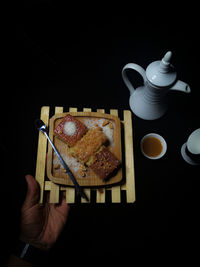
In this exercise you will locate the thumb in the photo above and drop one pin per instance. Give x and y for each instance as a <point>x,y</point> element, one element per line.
<point>33,193</point>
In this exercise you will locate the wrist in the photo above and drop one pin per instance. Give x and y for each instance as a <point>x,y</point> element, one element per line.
<point>29,253</point>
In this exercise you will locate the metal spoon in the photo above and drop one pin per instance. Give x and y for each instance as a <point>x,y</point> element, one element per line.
<point>41,126</point>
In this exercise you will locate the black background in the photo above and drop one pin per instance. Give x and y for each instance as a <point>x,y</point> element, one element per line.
<point>72,56</point>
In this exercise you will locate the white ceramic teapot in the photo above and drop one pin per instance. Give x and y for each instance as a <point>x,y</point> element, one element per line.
<point>148,101</point>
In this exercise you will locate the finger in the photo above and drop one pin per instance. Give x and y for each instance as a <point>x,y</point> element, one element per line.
<point>62,196</point>
<point>33,192</point>
<point>63,206</point>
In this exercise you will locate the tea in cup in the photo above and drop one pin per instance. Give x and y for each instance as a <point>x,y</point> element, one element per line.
<point>153,146</point>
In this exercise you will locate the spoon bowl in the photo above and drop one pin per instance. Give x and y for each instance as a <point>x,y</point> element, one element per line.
<point>40,125</point>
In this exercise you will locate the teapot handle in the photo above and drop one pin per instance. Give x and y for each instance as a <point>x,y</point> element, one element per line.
<point>135,67</point>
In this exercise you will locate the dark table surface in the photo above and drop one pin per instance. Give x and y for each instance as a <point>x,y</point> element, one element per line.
<point>77,63</point>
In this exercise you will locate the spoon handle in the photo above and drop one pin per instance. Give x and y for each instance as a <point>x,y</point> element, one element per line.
<point>62,162</point>
<point>40,125</point>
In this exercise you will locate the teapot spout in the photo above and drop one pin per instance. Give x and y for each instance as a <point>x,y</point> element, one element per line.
<point>181,86</point>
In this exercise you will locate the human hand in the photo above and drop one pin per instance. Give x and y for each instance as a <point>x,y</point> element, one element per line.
<point>41,224</point>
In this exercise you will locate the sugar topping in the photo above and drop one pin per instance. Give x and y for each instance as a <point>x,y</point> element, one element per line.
<point>72,163</point>
<point>106,125</point>
<point>70,128</point>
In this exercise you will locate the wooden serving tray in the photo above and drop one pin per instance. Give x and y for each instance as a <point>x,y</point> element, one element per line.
<point>107,194</point>
<point>57,174</point>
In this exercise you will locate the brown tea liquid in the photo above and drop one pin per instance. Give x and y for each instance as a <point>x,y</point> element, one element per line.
<point>152,146</point>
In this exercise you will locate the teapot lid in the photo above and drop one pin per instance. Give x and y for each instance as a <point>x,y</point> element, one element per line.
<point>161,73</point>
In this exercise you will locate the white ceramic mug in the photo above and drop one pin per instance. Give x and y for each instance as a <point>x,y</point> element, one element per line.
<point>191,149</point>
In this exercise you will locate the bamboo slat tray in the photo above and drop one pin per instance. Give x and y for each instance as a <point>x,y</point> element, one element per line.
<point>58,175</point>
<point>128,178</point>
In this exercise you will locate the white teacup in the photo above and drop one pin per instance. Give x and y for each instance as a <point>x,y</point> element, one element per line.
<point>191,149</point>
<point>152,137</point>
